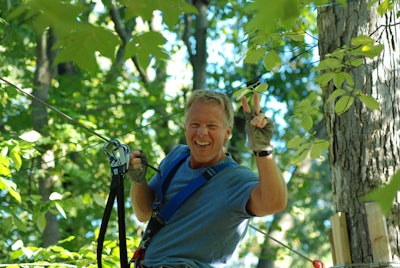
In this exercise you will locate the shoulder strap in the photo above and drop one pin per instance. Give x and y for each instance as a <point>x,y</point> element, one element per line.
<point>171,206</point>
<point>169,173</point>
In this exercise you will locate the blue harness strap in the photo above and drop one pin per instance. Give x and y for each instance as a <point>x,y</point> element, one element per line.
<point>169,173</point>
<point>172,205</point>
<point>162,213</point>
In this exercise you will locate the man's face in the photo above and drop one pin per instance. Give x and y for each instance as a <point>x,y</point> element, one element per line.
<point>206,133</point>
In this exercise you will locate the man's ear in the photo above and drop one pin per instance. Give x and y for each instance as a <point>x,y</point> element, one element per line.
<point>228,134</point>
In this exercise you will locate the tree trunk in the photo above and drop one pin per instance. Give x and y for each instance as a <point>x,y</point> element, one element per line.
<point>43,76</point>
<point>364,144</point>
<point>198,56</point>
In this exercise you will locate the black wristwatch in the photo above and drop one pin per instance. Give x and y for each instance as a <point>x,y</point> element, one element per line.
<point>262,153</point>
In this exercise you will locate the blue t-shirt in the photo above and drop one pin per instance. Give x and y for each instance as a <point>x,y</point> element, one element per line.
<point>206,229</point>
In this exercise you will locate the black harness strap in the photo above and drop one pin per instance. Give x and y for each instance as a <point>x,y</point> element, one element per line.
<point>119,158</point>
<point>116,190</point>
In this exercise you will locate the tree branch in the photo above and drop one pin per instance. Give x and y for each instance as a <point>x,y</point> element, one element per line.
<point>124,34</point>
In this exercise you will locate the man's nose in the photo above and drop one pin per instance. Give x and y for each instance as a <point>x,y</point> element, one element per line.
<point>202,130</point>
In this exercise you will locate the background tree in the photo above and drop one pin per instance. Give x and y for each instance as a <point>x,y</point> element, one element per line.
<point>363,156</point>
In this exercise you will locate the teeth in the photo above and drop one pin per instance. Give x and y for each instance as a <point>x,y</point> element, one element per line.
<point>202,143</point>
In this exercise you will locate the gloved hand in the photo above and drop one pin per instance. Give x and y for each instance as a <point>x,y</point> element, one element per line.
<point>259,131</point>
<point>137,167</point>
<point>258,127</point>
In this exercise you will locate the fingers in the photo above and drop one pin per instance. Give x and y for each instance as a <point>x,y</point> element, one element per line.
<point>256,104</point>
<point>135,161</point>
<point>259,121</point>
<point>246,107</point>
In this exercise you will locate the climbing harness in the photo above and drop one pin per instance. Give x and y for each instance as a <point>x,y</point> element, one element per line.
<point>119,163</point>
<point>162,211</point>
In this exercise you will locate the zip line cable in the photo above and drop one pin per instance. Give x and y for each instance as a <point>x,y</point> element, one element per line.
<point>69,118</point>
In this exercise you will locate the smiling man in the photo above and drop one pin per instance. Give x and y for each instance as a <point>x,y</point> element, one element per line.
<point>204,228</point>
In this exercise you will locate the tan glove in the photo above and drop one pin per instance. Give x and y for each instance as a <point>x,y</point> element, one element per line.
<point>137,167</point>
<point>259,139</point>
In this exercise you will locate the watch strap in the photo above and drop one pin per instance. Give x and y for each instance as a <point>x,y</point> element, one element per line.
<point>262,153</point>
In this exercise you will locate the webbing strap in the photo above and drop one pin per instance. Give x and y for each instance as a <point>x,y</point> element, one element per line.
<point>171,206</point>
<point>116,191</point>
<point>170,171</point>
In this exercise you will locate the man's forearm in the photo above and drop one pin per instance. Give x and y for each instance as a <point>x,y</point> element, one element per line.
<point>142,198</point>
<point>272,183</point>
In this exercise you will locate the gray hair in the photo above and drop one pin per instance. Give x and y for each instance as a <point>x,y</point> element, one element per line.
<point>214,97</point>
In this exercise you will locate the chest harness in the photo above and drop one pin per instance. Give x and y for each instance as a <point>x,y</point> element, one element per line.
<point>162,211</point>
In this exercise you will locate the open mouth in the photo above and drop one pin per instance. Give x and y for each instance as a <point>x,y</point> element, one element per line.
<point>202,144</point>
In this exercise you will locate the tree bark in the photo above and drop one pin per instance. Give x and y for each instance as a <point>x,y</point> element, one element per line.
<point>43,76</point>
<point>198,52</point>
<point>364,144</point>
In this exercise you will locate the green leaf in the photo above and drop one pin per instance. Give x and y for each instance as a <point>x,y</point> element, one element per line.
<point>295,142</point>
<point>355,62</point>
<point>336,93</point>
<point>140,8</point>
<point>99,200</point>
<point>16,254</point>
<point>11,187</point>
<point>41,221</point>
<point>307,122</point>
<point>15,155</point>
<point>172,9</point>
<point>372,51</point>
<point>261,88</point>
<point>370,102</point>
<point>146,45</point>
<point>385,195</point>
<point>325,78</point>
<point>265,16</point>
<point>272,61</point>
<point>87,40</point>
<point>318,147</point>
<point>343,104</point>
<point>298,37</point>
<point>362,40</point>
<point>254,56</point>
<point>342,77</point>
<point>240,93</point>
<point>301,155</point>
<point>60,209</point>
<point>329,64</point>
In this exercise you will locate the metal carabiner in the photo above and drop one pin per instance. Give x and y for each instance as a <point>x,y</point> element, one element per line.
<point>118,156</point>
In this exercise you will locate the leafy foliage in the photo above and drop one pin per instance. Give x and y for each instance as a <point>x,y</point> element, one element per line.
<point>271,57</point>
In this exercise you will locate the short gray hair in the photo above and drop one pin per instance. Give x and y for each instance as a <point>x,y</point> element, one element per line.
<point>214,97</point>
